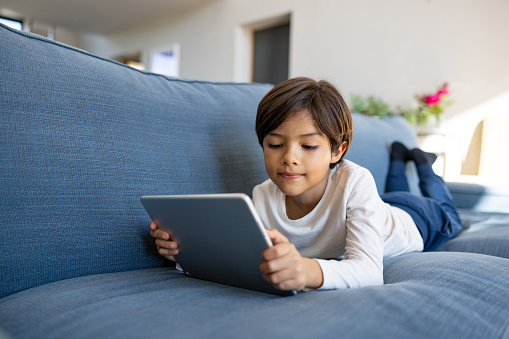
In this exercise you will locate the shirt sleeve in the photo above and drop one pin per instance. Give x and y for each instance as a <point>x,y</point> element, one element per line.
<point>363,260</point>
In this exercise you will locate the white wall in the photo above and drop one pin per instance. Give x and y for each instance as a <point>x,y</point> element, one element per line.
<point>392,49</point>
<point>61,34</point>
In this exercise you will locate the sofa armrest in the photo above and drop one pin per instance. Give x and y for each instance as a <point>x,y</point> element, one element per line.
<point>482,198</point>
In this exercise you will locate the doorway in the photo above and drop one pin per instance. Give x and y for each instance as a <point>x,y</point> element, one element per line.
<point>271,54</point>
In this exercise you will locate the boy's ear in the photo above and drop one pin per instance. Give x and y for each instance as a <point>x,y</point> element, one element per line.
<point>337,155</point>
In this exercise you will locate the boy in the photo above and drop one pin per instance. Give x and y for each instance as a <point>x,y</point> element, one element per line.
<point>329,227</point>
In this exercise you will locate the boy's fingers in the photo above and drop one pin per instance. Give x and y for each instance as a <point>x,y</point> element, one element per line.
<point>159,234</point>
<point>276,251</point>
<point>166,244</point>
<point>278,277</point>
<point>167,251</point>
<point>165,254</point>
<point>284,279</point>
<point>272,266</point>
<point>279,263</point>
<point>284,273</point>
<point>154,234</point>
<point>276,236</point>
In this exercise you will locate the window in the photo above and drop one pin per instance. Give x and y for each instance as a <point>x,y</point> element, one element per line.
<point>13,23</point>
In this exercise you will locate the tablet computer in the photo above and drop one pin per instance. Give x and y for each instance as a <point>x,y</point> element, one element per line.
<point>221,237</point>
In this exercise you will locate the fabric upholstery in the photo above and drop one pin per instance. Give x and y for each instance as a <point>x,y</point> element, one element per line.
<point>426,295</point>
<point>480,198</point>
<point>484,233</point>
<point>493,241</point>
<point>371,142</point>
<point>84,138</point>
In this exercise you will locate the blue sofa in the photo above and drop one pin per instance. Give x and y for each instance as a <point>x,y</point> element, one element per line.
<point>83,138</point>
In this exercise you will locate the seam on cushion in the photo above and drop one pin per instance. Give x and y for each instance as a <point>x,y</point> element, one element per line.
<point>72,48</point>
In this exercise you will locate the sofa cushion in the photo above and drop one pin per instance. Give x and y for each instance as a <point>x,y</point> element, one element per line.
<point>426,295</point>
<point>484,232</point>
<point>371,142</point>
<point>481,198</point>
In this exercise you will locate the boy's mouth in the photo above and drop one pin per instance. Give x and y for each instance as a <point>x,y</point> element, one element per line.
<point>290,176</point>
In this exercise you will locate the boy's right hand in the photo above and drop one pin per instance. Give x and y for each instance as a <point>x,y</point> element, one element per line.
<point>165,245</point>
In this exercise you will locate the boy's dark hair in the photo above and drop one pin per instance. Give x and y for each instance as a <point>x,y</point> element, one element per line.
<point>320,98</point>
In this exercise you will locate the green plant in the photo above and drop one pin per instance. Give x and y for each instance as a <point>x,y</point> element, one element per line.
<point>370,106</point>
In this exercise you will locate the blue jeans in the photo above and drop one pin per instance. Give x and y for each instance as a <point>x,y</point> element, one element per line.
<point>434,213</point>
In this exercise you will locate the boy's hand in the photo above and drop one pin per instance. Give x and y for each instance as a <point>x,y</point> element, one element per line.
<point>286,269</point>
<point>165,245</point>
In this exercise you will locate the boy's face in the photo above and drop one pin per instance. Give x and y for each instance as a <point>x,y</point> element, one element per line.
<point>297,158</point>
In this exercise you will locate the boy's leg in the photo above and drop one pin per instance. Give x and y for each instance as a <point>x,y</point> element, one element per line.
<point>396,177</point>
<point>431,185</point>
<point>434,214</point>
<point>434,187</point>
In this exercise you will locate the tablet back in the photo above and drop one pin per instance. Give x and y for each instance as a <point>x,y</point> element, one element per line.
<point>220,236</point>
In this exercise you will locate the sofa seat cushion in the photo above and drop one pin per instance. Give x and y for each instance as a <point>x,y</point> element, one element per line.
<point>426,295</point>
<point>484,233</point>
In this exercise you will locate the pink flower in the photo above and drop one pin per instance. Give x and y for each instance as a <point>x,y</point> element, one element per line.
<point>444,91</point>
<point>432,100</point>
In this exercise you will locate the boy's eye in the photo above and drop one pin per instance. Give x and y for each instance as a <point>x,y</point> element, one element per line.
<point>309,147</point>
<point>274,145</point>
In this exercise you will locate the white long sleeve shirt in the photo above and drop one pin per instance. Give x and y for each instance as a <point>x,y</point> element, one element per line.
<point>350,230</point>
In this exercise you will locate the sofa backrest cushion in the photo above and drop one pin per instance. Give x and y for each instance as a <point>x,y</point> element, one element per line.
<point>83,138</point>
<point>371,142</point>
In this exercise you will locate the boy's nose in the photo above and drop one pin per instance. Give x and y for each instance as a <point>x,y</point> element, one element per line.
<point>291,157</point>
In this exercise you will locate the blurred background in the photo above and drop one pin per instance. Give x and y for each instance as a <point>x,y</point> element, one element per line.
<point>398,52</point>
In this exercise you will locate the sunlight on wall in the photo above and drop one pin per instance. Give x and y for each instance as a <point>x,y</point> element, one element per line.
<point>494,162</point>
<point>493,155</point>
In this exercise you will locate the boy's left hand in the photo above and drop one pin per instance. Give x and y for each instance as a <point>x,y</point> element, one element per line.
<point>286,269</point>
